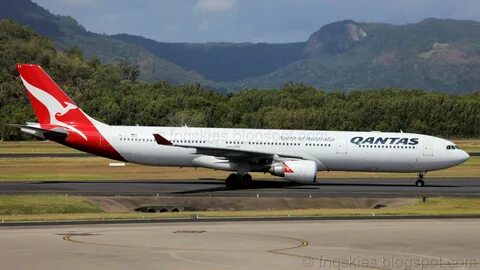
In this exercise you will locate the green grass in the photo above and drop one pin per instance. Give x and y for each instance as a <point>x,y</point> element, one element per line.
<point>438,206</point>
<point>34,147</point>
<point>45,204</point>
<point>433,206</point>
<point>54,177</point>
<point>35,208</point>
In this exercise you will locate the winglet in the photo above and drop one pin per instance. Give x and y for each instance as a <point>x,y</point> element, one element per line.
<point>161,140</point>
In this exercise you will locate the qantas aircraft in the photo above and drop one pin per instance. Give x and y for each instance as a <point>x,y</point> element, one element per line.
<point>295,155</point>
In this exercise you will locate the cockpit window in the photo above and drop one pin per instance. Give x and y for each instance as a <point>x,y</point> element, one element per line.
<point>452,147</point>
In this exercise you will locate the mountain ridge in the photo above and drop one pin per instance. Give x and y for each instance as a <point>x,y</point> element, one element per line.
<point>433,54</point>
<point>67,33</point>
<point>209,59</point>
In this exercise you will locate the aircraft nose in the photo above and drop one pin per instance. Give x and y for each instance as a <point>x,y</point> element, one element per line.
<point>463,156</point>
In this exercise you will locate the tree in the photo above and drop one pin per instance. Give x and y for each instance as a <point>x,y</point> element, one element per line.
<point>128,71</point>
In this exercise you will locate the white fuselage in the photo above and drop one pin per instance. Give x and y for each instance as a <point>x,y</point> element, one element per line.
<point>332,150</point>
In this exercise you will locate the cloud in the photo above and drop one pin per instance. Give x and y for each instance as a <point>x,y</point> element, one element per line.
<point>214,5</point>
<point>466,8</point>
<point>80,3</point>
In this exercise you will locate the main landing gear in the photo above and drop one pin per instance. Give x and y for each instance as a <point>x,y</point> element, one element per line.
<point>236,180</point>
<point>420,182</point>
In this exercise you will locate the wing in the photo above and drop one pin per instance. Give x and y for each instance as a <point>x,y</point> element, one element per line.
<point>229,153</point>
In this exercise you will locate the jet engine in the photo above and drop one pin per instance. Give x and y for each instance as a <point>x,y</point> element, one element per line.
<point>296,170</point>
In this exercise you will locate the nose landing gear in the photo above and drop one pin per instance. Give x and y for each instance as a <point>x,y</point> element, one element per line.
<point>420,182</point>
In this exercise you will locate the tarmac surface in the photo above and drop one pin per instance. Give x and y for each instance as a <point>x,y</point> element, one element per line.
<point>384,188</point>
<point>321,244</point>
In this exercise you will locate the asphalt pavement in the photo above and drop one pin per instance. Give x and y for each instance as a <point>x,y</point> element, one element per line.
<point>362,187</point>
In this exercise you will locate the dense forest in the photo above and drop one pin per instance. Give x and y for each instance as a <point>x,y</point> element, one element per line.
<point>112,93</point>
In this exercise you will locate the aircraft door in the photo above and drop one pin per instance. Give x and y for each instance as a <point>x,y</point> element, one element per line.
<point>341,147</point>
<point>427,148</point>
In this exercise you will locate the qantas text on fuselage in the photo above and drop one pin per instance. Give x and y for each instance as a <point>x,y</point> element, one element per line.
<point>384,140</point>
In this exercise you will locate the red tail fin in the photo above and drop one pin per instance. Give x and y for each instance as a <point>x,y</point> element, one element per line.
<point>54,109</point>
<point>44,94</point>
<point>51,105</point>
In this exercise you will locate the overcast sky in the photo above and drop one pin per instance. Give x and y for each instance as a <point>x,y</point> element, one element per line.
<point>247,20</point>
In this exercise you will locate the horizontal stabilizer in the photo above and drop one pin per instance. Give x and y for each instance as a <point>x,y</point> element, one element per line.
<point>35,130</point>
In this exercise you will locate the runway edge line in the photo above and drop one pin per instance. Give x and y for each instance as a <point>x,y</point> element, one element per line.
<point>227,219</point>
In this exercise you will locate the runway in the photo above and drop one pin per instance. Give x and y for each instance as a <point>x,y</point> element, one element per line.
<point>368,244</point>
<point>384,188</point>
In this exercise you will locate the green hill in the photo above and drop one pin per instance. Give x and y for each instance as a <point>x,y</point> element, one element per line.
<point>441,55</point>
<point>67,33</point>
<point>223,61</point>
<point>434,54</point>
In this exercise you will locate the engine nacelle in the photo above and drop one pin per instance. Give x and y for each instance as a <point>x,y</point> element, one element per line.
<point>215,163</point>
<point>296,170</point>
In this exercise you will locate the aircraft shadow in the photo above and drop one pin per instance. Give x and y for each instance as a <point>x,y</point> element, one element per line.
<point>167,182</point>
<point>381,185</point>
<point>257,184</point>
<point>183,187</point>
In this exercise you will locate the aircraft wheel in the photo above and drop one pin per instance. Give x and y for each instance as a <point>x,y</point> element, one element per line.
<point>246,180</point>
<point>232,181</point>
<point>419,183</point>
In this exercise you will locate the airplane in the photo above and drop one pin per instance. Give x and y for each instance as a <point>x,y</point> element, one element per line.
<point>295,155</point>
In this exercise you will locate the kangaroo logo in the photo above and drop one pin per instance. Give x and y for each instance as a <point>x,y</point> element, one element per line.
<point>54,107</point>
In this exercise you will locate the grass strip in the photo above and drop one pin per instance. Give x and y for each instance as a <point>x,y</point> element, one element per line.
<point>58,208</point>
<point>11,205</point>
